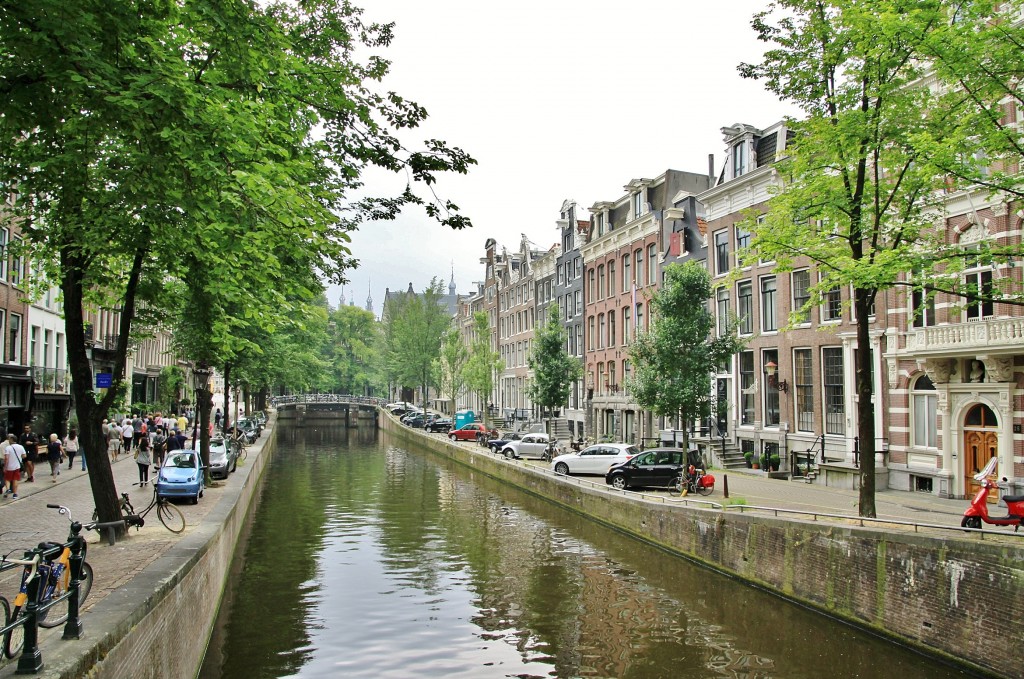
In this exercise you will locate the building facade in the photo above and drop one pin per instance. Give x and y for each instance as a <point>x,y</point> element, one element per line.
<point>568,292</point>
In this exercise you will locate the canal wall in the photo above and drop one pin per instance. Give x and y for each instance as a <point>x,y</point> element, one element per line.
<point>157,625</point>
<point>951,596</point>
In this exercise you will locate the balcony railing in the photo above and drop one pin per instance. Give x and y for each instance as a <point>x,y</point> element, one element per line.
<point>51,380</point>
<point>988,333</point>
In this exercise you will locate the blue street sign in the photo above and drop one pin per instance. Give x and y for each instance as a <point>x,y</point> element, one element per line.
<point>104,380</point>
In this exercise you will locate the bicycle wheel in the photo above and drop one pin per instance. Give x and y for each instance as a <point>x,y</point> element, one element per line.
<point>14,640</point>
<point>170,516</point>
<point>84,587</point>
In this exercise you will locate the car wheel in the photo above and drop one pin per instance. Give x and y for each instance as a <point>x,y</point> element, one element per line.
<point>562,468</point>
<point>509,454</point>
<point>195,500</point>
<point>453,437</point>
<point>619,482</point>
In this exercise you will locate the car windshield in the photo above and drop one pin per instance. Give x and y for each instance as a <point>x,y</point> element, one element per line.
<point>180,460</point>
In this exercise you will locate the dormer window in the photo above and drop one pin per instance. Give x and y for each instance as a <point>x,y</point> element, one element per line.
<point>739,159</point>
<point>637,204</point>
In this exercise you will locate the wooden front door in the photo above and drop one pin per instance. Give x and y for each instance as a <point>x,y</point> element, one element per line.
<point>981,444</point>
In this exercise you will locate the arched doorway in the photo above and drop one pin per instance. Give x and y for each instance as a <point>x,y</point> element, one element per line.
<point>981,444</point>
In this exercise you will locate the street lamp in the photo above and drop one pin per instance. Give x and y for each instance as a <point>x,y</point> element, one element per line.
<point>770,369</point>
<point>201,373</point>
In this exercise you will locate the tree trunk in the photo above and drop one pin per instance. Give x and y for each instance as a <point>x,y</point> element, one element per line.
<point>227,396</point>
<point>865,409</point>
<point>203,411</point>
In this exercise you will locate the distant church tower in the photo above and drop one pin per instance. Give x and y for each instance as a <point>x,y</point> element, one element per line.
<point>451,285</point>
<point>369,298</point>
<point>341,300</point>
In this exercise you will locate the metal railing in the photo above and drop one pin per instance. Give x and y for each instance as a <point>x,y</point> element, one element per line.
<point>327,398</point>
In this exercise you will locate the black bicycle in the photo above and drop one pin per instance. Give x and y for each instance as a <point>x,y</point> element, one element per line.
<point>169,515</point>
<point>53,565</point>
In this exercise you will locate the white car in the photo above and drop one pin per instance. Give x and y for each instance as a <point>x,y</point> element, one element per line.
<point>596,459</point>
<point>530,445</point>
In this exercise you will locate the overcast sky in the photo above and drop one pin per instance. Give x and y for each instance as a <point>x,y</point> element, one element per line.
<point>555,99</point>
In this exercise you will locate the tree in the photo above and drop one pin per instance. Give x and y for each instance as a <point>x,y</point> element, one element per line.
<point>415,325</point>
<point>554,370</point>
<point>859,192</point>
<point>673,362</point>
<point>353,351</point>
<point>484,364</point>
<point>450,366</point>
<point>215,145</point>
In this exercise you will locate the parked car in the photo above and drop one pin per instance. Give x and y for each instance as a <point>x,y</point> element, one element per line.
<point>504,438</point>
<point>529,446</point>
<point>414,420</point>
<point>440,424</point>
<point>181,476</point>
<point>594,459</point>
<point>400,407</point>
<point>468,432</point>
<point>223,459</point>
<point>652,468</point>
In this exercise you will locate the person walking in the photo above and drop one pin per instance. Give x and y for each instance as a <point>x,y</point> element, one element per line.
<point>71,447</point>
<point>216,418</point>
<point>14,456</point>
<point>159,446</point>
<point>143,459</point>
<point>54,455</point>
<point>30,442</point>
<point>127,433</point>
<point>113,441</point>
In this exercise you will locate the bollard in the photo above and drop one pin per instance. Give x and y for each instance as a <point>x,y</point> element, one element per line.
<point>73,627</point>
<point>725,485</point>
<point>31,660</point>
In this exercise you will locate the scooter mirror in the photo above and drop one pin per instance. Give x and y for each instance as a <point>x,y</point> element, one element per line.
<point>987,471</point>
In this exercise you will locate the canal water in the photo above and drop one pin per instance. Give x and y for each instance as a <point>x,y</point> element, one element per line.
<point>367,559</point>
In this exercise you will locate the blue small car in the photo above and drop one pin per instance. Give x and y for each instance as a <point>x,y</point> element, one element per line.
<point>182,475</point>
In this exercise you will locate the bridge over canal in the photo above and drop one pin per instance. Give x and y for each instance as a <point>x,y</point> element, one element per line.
<point>336,409</point>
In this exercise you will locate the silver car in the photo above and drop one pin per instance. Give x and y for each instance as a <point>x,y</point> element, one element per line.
<point>595,459</point>
<point>530,446</point>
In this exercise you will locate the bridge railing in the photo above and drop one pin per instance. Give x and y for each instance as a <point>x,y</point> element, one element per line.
<point>327,398</point>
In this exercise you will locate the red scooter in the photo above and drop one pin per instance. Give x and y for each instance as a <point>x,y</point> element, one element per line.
<point>978,511</point>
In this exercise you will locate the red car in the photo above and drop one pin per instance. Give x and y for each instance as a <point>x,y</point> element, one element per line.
<point>467,432</point>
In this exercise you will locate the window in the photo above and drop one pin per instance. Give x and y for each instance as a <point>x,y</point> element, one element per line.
<point>834,403</point>
<point>744,304</point>
<point>590,333</point>
<point>611,277</point>
<point>739,159</point>
<point>600,378</point>
<point>599,218</point>
<point>652,270</point>
<point>722,252</point>
<point>639,267</point>
<point>801,284</point>
<point>600,282</point>
<point>747,387</point>
<point>771,393</point>
<point>832,305</point>
<point>611,376</point>
<point>722,301</point>
<point>924,409</point>
<point>14,345</point>
<point>923,308</point>
<point>768,322</point>
<point>978,289</point>
<point>611,328</point>
<point>626,280</point>
<point>5,238</point>
<point>602,330</point>
<point>803,390</point>
<point>640,317</point>
<point>625,325</point>
<point>17,262</point>
<point>590,290</point>
<point>577,302</point>
<point>561,274</point>
<point>742,238</point>
<point>638,204</point>
<point>579,339</point>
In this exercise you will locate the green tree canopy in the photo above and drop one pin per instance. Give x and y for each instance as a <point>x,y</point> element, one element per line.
<point>554,370</point>
<point>673,362</point>
<point>484,363</point>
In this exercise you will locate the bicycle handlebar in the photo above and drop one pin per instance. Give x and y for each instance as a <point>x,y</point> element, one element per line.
<point>33,562</point>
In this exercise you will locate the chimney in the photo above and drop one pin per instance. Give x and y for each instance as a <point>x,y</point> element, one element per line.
<point>711,169</point>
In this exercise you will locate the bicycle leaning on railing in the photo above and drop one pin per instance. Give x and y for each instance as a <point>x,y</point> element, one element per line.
<point>238,445</point>
<point>45,582</point>
<point>169,515</point>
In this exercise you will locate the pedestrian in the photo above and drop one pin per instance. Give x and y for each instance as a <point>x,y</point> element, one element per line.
<point>30,442</point>
<point>143,459</point>
<point>113,441</point>
<point>54,455</point>
<point>159,446</point>
<point>127,433</point>
<point>71,447</point>
<point>14,457</point>
<point>173,442</point>
<point>216,418</point>
<point>182,423</point>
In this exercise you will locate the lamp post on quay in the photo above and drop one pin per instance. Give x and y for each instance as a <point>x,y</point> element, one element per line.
<point>201,373</point>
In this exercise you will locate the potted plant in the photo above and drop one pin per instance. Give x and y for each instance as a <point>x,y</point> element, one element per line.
<point>755,461</point>
<point>775,461</point>
<point>749,457</point>
<point>764,461</point>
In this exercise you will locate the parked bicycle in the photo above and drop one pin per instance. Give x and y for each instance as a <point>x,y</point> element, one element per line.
<point>169,515</point>
<point>239,445</point>
<point>51,563</point>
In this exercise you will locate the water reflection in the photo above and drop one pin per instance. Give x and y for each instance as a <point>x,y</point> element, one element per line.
<point>370,560</point>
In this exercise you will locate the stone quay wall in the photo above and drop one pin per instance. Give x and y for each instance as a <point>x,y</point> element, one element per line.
<point>946,595</point>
